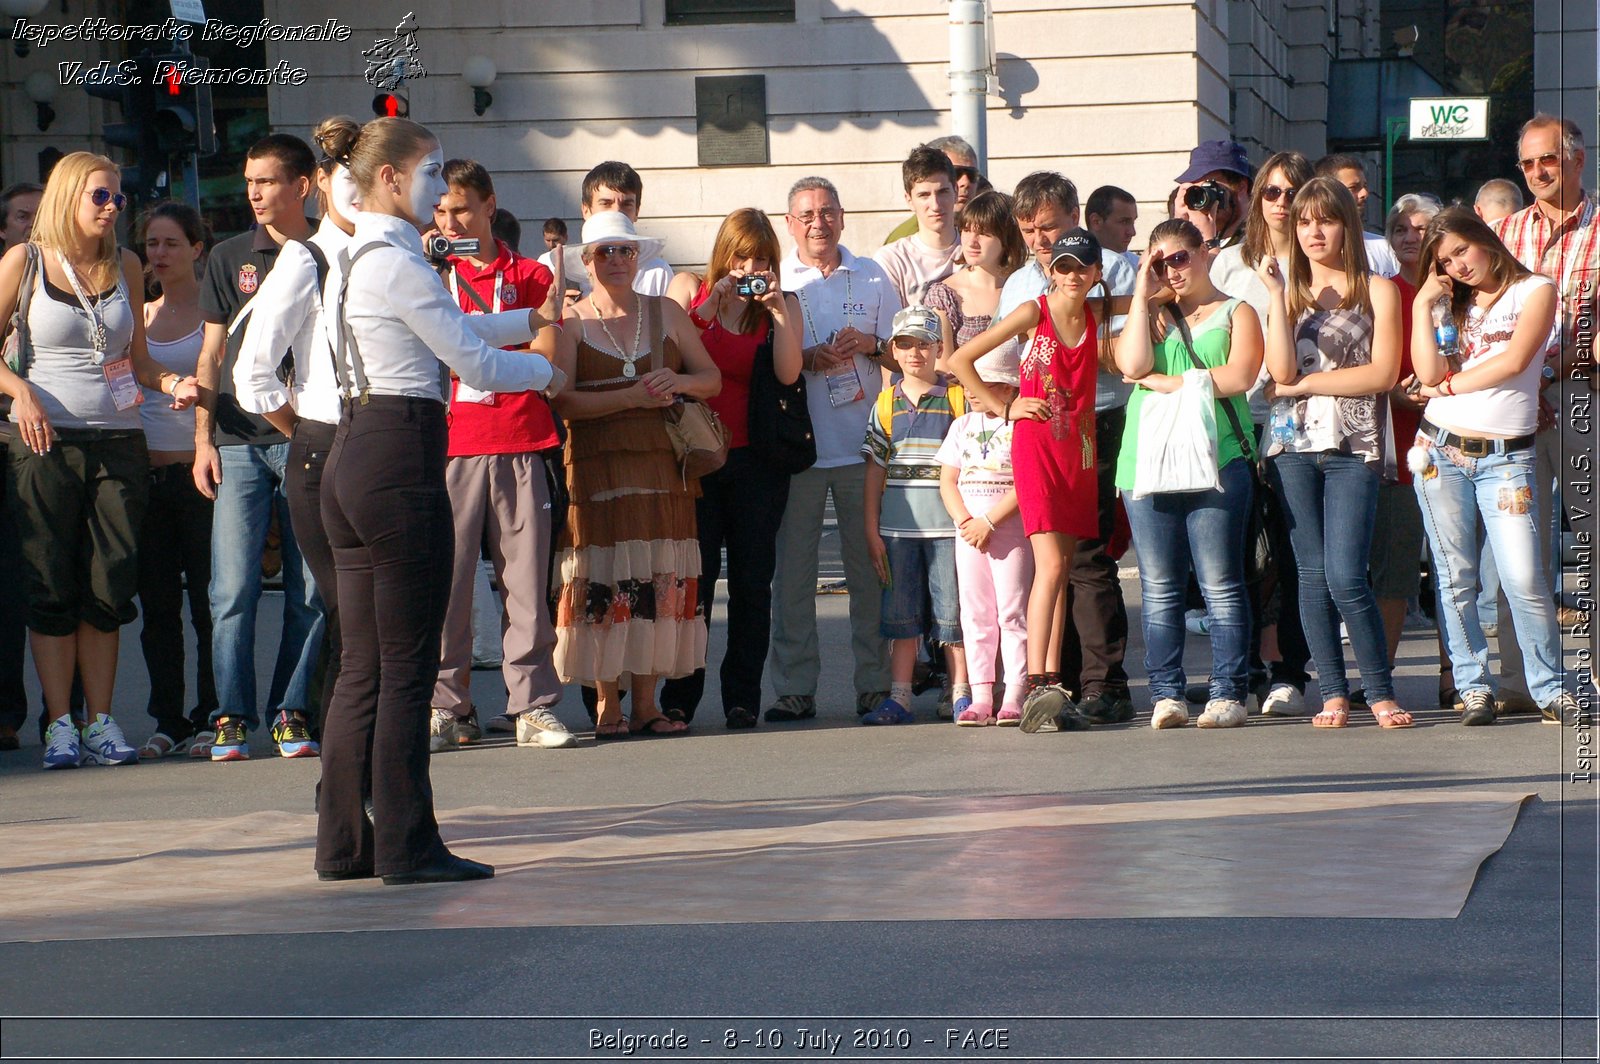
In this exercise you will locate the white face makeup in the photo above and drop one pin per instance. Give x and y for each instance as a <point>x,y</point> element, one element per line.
<point>346,196</point>
<point>427,185</point>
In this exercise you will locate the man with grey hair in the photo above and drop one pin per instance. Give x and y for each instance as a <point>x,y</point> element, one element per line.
<point>1497,198</point>
<point>847,305</point>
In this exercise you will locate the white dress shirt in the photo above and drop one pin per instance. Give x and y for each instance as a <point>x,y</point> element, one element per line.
<point>405,323</point>
<point>286,314</point>
<point>1030,282</point>
<point>857,293</point>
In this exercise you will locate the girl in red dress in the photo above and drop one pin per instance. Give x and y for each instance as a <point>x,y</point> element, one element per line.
<point>1053,453</point>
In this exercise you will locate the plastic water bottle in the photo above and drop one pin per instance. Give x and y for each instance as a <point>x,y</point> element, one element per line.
<point>1444,330</point>
<point>1283,427</point>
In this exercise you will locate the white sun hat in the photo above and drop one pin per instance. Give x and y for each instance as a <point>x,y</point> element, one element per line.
<point>609,227</point>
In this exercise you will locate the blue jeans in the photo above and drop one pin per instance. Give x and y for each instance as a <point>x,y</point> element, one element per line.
<point>1329,501</point>
<point>1500,489</point>
<point>922,573</point>
<point>251,490</point>
<point>1204,529</point>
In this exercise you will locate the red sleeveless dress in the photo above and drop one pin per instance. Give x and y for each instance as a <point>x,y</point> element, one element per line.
<point>1053,461</point>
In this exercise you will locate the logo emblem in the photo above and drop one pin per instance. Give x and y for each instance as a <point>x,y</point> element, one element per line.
<point>508,294</point>
<point>248,280</point>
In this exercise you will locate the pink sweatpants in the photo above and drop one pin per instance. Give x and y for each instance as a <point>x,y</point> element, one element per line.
<point>994,586</point>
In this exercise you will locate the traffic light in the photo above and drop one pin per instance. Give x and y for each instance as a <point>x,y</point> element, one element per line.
<point>130,84</point>
<point>183,115</point>
<point>391,104</point>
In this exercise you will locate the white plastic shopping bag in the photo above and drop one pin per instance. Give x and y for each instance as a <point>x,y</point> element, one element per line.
<point>1177,446</point>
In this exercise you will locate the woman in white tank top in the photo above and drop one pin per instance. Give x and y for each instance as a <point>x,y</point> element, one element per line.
<point>175,537</point>
<point>1474,455</point>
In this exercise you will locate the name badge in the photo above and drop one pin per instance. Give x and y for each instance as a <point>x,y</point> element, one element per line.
<point>125,391</point>
<point>464,394</point>
<point>844,385</point>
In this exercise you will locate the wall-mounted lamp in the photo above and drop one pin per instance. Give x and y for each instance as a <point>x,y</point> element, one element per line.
<point>479,72</point>
<point>41,89</point>
<point>15,9</point>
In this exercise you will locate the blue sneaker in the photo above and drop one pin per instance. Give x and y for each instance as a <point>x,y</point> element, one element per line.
<point>61,746</point>
<point>104,743</point>
<point>958,707</point>
<point>294,739</point>
<point>889,712</point>
<point>231,744</point>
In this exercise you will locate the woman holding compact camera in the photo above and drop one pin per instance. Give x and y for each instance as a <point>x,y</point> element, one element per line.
<point>743,316</point>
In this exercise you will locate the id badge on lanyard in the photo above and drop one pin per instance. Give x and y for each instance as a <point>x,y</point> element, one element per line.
<point>465,393</point>
<point>125,391</point>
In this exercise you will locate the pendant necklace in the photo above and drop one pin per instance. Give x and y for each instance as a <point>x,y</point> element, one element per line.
<point>632,355</point>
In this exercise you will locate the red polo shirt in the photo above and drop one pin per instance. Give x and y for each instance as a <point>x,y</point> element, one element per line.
<point>513,422</point>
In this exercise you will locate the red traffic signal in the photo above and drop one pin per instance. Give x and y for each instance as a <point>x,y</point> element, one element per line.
<point>391,105</point>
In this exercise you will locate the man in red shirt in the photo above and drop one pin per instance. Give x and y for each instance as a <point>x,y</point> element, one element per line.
<point>496,480</point>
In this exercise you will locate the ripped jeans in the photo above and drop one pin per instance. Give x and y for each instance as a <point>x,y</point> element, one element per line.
<point>1453,491</point>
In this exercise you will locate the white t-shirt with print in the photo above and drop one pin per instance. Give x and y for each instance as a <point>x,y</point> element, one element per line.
<point>1510,408</point>
<point>979,445</point>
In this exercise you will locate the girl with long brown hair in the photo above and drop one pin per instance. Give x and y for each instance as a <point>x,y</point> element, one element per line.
<point>1475,457</point>
<point>1333,349</point>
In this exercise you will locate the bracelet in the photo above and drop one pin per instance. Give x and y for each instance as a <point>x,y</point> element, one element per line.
<point>965,523</point>
<point>1447,386</point>
<point>987,521</point>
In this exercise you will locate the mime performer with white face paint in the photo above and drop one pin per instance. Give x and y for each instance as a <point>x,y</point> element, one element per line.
<point>287,331</point>
<point>387,511</point>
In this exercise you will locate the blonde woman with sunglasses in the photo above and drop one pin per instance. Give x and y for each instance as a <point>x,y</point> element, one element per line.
<point>79,465</point>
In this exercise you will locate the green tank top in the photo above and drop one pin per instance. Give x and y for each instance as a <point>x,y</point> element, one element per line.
<point>1212,343</point>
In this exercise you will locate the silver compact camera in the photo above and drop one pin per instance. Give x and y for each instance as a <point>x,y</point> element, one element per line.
<point>752,286</point>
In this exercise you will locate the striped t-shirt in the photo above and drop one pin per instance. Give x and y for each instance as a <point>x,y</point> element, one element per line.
<point>908,449</point>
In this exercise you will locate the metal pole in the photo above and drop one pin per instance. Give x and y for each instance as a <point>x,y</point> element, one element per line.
<point>969,74</point>
<point>1392,127</point>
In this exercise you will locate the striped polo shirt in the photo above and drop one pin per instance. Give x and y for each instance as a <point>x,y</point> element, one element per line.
<point>908,449</point>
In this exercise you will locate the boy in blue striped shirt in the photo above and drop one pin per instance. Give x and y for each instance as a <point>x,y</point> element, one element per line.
<point>909,534</point>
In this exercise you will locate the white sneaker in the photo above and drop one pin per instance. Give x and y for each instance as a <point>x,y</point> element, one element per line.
<point>104,743</point>
<point>1284,701</point>
<point>61,746</point>
<point>1223,713</point>
<point>1169,713</point>
<point>1197,622</point>
<point>540,727</point>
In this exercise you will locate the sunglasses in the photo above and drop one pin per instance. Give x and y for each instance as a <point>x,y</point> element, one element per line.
<point>102,196</point>
<point>1177,260</point>
<point>1548,161</point>
<point>627,251</point>
<point>1272,193</point>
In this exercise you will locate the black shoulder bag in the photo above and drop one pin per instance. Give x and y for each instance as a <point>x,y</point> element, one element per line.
<point>1257,543</point>
<point>780,418</point>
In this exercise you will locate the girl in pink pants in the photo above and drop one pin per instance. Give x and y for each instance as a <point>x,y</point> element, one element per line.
<point>994,564</point>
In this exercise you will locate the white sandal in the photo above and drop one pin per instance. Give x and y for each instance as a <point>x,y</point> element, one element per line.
<point>162,745</point>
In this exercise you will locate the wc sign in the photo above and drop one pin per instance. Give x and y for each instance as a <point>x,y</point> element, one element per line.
<point>1449,118</point>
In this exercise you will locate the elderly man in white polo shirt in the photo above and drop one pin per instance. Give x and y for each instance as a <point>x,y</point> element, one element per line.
<point>847,306</point>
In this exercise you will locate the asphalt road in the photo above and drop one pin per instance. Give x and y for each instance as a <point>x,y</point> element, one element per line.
<point>1492,985</point>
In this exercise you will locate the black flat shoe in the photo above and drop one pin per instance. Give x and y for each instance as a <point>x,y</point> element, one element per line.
<point>447,869</point>
<point>352,873</point>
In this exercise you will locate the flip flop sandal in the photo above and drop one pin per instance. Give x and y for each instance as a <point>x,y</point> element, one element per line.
<point>1386,717</point>
<point>617,729</point>
<point>1331,718</point>
<point>658,726</point>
